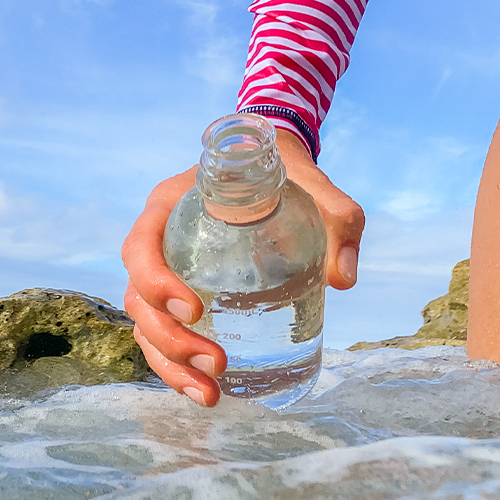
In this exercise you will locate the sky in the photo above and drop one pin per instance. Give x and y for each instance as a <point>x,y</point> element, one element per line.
<point>100,100</point>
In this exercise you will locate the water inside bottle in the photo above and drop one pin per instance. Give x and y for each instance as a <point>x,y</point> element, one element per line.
<point>272,338</point>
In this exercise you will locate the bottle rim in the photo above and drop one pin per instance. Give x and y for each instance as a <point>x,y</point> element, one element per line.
<point>241,173</point>
<point>222,137</point>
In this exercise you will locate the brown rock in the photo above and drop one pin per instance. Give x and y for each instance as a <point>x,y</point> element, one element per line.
<point>445,318</point>
<point>56,337</point>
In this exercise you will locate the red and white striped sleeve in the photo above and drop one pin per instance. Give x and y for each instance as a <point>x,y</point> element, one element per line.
<point>298,50</point>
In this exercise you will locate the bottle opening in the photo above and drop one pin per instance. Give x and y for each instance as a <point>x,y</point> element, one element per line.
<point>235,134</point>
<point>241,173</point>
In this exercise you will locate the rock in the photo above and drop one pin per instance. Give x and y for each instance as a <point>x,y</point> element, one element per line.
<point>445,318</point>
<point>51,337</point>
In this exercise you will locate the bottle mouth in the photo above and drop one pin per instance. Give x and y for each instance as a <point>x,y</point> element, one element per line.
<point>240,167</point>
<point>238,138</point>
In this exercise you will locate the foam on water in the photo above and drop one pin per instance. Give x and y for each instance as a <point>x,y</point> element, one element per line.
<point>388,424</point>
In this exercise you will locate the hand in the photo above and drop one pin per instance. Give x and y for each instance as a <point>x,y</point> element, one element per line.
<point>343,217</point>
<point>161,304</point>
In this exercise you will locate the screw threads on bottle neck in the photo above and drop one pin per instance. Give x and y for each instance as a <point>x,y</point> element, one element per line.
<point>241,172</point>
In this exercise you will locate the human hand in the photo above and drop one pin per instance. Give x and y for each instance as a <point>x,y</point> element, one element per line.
<point>161,304</point>
<point>344,219</point>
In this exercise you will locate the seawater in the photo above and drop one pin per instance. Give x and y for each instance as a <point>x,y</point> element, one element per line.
<point>386,424</point>
<point>273,339</point>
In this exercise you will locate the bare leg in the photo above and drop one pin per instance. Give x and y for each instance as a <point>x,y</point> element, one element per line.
<point>483,333</point>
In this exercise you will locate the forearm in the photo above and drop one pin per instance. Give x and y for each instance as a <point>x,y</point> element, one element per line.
<point>483,334</point>
<point>297,52</point>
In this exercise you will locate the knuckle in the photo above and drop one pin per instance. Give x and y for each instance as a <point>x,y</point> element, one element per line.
<point>130,301</point>
<point>350,213</point>
<point>128,304</point>
<point>158,194</point>
<point>135,246</point>
<point>167,344</point>
<point>358,215</point>
<point>346,221</point>
<point>152,197</point>
<point>157,281</point>
<point>137,335</point>
<point>129,246</point>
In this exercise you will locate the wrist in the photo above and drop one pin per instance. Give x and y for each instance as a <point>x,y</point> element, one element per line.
<point>292,150</point>
<point>288,119</point>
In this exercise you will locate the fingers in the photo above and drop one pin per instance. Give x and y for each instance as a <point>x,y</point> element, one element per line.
<point>158,302</point>
<point>199,387</point>
<point>142,254</point>
<point>344,218</point>
<point>344,221</point>
<point>185,361</point>
<point>173,340</point>
<point>344,231</point>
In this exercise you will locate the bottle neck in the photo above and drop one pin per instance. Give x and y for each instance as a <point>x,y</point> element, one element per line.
<point>241,173</point>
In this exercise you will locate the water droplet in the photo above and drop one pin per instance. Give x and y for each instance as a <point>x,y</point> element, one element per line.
<point>238,271</point>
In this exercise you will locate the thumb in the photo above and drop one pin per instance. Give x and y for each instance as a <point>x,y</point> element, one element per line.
<point>344,218</point>
<point>344,222</point>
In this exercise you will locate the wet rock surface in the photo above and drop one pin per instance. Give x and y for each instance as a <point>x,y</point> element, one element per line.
<point>50,338</point>
<point>445,318</point>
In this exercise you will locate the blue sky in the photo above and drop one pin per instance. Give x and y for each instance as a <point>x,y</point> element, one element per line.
<point>102,99</point>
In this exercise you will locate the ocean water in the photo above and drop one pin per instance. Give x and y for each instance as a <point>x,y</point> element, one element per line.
<point>384,424</point>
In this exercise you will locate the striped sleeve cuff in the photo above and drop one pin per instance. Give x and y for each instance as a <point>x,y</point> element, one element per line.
<point>298,50</point>
<point>288,119</point>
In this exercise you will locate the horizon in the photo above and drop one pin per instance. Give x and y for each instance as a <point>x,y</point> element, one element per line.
<point>102,100</point>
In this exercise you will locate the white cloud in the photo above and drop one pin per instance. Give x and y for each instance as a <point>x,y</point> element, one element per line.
<point>201,13</point>
<point>429,246</point>
<point>481,63</point>
<point>3,201</point>
<point>69,3</point>
<point>408,268</point>
<point>86,149</point>
<point>403,265</point>
<point>445,76</point>
<point>55,148</point>
<point>37,20</point>
<point>3,113</point>
<point>448,148</point>
<point>217,62</point>
<point>410,205</point>
<point>219,54</point>
<point>397,169</point>
<point>34,228</point>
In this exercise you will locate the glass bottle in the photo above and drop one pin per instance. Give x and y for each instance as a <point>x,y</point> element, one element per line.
<point>252,244</point>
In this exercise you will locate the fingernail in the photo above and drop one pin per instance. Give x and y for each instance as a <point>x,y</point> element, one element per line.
<point>180,309</point>
<point>348,264</point>
<point>205,363</point>
<point>196,395</point>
